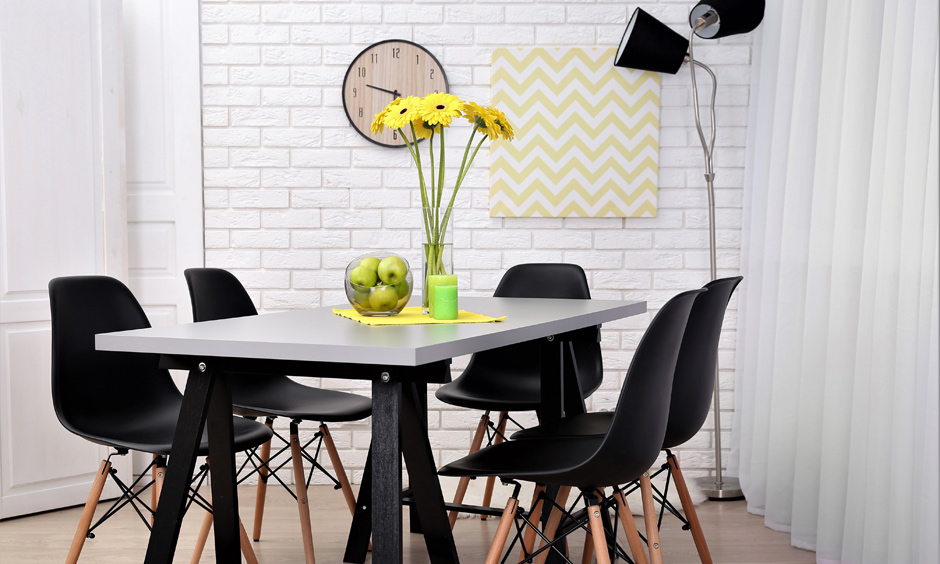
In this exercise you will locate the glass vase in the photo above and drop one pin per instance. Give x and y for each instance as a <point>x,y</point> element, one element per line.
<point>438,259</point>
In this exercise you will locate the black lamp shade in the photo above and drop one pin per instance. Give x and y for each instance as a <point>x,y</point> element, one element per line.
<point>648,44</point>
<point>734,17</point>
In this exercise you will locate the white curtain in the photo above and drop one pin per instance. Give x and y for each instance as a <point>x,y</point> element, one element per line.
<point>835,437</point>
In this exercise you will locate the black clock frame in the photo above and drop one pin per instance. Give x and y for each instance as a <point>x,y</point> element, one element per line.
<point>353,63</point>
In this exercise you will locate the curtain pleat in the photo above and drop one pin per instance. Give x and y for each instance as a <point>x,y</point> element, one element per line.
<point>835,436</point>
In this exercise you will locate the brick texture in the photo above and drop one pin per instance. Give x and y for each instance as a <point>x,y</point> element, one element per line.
<point>293,192</point>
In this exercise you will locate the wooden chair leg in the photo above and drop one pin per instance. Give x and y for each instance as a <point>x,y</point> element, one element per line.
<point>502,532</point>
<point>689,509</point>
<point>247,551</point>
<point>201,538</point>
<point>300,483</point>
<point>528,541</point>
<point>84,523</point>
<point>598,536</point>
<point>465,481</point>
<point>629,529</point>
<point>159,473</point>
<point>587,556</point>
<point>244,542</point>
<point>649,515</point>
<point>554,519</point>
<point>338,468</point>
<point>491,481</point>
<point>262,489</point>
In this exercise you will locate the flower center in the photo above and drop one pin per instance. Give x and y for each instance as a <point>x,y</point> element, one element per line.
<point>403,111</point>
<point>440,106</point>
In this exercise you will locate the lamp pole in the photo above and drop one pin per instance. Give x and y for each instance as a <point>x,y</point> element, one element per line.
<point>720,488</point>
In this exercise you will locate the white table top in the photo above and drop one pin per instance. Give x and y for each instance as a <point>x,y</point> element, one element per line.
<point>319,335</point>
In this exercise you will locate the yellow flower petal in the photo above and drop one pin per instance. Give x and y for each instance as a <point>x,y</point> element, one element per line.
<point>422,129</point>
<point>440,108</point>
<point>402,113</point>
<point>378,123</point>
<point>505,127</point>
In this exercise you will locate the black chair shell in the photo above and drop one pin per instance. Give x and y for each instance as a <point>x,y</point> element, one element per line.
<point>507,378</point>
<point>217,294</point>
<point>694,381</point>
<point>122,400</point>
<point>632,442</point>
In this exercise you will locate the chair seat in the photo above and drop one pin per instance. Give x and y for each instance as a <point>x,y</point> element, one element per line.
<point>538,460</point>
<point>546,461</point>
<point>585,425</point>
<point>514,394</point>
<point>279,396</point>
<point>581,425</point>
<point>155,433</point>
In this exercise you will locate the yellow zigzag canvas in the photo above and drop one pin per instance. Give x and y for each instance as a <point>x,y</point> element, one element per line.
<point>587,135</point>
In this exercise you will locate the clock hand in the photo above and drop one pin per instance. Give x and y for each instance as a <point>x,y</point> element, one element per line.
<point>394,93</point>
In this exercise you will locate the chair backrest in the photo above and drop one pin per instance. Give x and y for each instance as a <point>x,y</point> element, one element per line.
<point>217,294</point>
<point>694,382</point>
<point>636,432</point>
<point>541,280</point>
<point>89,386</point>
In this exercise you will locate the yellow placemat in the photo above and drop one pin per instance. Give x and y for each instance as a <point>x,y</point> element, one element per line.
<point>413,316</point>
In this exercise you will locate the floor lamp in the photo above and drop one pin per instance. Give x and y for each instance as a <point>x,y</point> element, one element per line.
<point>651,45</point>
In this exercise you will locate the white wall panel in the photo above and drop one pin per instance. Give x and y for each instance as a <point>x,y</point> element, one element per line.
<point>61,213</point>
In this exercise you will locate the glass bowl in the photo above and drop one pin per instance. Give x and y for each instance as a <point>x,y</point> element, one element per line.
<point>369,294</point>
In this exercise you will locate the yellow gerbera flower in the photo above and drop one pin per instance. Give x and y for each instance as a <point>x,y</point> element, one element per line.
<point>422,129</point>
<point>440,108</point>
<point>378,123</point>
<point>481,119</point>
<point>505,128</point>
<point>402,113</point>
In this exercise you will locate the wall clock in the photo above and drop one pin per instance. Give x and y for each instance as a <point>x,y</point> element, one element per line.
<point>385,71</point>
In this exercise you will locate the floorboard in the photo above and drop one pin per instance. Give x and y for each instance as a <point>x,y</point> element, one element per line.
<point>734,536</point>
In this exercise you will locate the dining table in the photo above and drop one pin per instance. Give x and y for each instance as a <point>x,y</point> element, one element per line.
<point>399,361</point>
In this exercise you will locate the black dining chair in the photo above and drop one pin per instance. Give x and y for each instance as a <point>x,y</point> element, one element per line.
<point>507,379</point>
<point>218,294</point>
<point>622,454</point>
<point>120,400</point>
<point>692,390</point>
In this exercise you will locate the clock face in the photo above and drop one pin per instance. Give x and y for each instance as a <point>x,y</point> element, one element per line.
<point>385,71</point>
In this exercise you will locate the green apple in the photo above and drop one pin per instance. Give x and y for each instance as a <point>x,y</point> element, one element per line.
<point>372,263</point>
<point>383,298</point>
<point>402,289</point>
<point>392,269</point>
<point>362,296</point>
<point>363,276</point>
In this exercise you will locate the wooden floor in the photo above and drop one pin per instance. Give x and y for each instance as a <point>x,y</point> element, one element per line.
<point>733,535</point>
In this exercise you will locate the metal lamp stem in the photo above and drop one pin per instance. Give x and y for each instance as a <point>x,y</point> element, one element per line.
<point>720,488</point>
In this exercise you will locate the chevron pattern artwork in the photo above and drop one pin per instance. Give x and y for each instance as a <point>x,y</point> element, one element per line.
<point>587,135</point>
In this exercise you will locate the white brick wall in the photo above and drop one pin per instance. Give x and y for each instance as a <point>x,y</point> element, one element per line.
<point>293,192</point>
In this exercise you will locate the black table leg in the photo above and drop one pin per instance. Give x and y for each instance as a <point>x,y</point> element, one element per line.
<point>357,545</point>
<point>386,471</point>
<point>425,484</point>
<point>422,389</point>
<point>222,469</point>
<point>552,404</point>
<point>182,461</point>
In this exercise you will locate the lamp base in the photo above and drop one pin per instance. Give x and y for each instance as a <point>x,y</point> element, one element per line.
<point>728,490</point>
